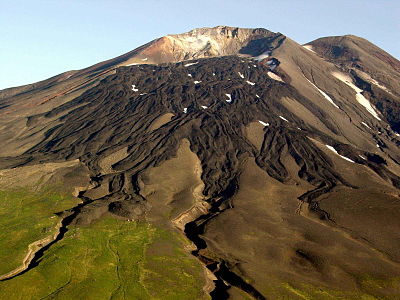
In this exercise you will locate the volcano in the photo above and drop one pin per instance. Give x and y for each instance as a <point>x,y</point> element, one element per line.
<point>222,163</point>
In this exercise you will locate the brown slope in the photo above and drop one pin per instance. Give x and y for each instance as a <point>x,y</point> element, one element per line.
<point>350,122</point>
<point>372,69</point>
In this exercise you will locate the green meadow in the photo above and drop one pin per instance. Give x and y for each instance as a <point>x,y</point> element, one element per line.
<point>112,259</point>
<point>25,217</point>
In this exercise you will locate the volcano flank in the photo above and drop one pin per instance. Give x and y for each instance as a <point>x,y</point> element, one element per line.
<point>222,163</point>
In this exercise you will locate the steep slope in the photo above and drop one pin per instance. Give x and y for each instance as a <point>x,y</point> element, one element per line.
<point>372,70</point>
<point>281,177</point>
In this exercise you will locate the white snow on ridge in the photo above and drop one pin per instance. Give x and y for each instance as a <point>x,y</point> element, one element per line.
<point>283,119</point>
<point>230,98</point>
<point>323,94</point>
<point>134,88</point>
<point>241,75</point>
<point>249,82</point>
<point>257,96</point>
<point>263,123</point>
<point>204,107</point>
<point>274,76</point>
<point>359,97</point>
<point>191,64</point>
<point>133,64</point>
<point>196,82</point>
<point>334,150</point>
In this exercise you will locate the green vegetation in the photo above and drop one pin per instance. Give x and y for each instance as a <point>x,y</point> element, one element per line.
<point>112,259</point>
<point>25,217</point>
<point>371,289</point>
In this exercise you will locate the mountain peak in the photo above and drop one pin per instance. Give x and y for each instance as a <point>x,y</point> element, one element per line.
<point>224,31</point>
<point>206,42</point>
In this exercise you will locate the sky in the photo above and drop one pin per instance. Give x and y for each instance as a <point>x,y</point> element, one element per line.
<point>40,39</point>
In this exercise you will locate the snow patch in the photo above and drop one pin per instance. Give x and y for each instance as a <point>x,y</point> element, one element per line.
<point>133,64</point>
<point>196,82</point>
<point>274,76</point>
<point>371,80</point>
<point>142,94</point>
<point>204,107</point>
<point>366,125</point>
<point>359,97</point>
<point>263,123</point>
<point>262,56</point>
<point>283,119</point>
<point>190,75</point>
<point>134,88</point>
<point>185,110</point>
<point>241,75</point>
<point>249,82</point>
<point>191,64</point>
<point>365,102</point>
<point>230,98</point>
<point>323,94</point>
<point>257,96</point>
<point>213,74</point>
<point>144,59</point>
<point>334,150</point>
<point>362,157</point>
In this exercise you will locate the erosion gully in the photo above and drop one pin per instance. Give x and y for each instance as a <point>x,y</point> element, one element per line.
<point>225,277</point>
